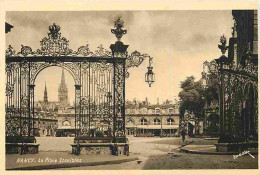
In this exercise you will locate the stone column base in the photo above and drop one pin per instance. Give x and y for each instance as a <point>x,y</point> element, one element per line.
<point>100,148</point>
<point>235,147</point>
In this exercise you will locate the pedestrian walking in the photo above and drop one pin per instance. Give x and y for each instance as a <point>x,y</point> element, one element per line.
<point>183,133</point>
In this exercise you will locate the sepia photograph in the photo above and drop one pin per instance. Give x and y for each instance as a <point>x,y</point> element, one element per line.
<point>131,90</point>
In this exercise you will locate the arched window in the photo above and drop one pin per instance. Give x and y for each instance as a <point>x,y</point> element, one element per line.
<point>170,121</point>
<point>143,121</point>
<point>66,123</point>
<point>156,121</point>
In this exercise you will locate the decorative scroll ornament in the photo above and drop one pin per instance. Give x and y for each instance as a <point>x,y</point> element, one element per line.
<point>84,51</point>
<point>85,101</point>
<point>101,52</point>
<point>55,45</point>
<point>24,102</point>
<point>118,31</point>
<point>9,89</point>
<point>135,59</point>
<point>26,50</point>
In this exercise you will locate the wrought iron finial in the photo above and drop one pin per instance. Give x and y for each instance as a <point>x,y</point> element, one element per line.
<point>26,50</point>
<point>54,31</point>
<point>10,51</point>
<point>118,31</point>
<point>223,47</point>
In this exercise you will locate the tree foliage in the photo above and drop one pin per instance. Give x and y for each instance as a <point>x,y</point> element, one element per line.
<point>191,97</point>
<point>211,92</point>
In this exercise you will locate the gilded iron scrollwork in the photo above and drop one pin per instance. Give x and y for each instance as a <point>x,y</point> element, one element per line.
<point>101,52</point>
<point>135,59</point>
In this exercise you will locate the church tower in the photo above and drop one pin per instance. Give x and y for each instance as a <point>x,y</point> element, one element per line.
<point>45,98</point>
<point>63,92</point>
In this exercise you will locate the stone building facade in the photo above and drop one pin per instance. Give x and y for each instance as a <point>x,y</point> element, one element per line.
<point>45,125</point>
<point>66,122</point>
<point>145,119</point>
<point>45,116</point>
<point>54,118</point>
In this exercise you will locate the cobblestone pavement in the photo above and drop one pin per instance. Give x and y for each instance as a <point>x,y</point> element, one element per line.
<point>198,161</point>
<point>153,154</point>
<point>54,143</point>
<point>183,161</point>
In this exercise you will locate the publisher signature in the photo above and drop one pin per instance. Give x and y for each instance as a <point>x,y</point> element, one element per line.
<point>243,153</point>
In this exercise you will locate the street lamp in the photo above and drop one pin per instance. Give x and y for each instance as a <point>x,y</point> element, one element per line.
<point>149,76</point>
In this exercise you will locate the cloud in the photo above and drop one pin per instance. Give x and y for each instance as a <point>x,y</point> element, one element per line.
<point>179,41</point>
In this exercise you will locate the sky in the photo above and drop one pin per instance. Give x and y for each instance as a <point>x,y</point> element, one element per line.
<point>179,42</point>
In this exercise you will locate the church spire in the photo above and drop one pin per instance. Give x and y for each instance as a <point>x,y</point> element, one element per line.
<point>63,91</point>
<point>45,94</point>
<point>62,77</point>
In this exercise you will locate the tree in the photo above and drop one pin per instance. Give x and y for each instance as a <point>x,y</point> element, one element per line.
<point>192,99</point>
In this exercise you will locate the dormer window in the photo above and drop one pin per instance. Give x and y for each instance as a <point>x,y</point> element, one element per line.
<point>171,111</point>
<point>128,111</point>
<point>157,111</point>
<point>144,110</point>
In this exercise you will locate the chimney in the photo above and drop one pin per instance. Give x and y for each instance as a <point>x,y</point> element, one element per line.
<point>157,101</point>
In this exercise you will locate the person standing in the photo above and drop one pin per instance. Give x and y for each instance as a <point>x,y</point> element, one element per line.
<point>183,133</point>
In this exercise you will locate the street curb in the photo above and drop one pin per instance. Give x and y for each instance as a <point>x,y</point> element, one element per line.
<point>186,144</point>
<point>212,153</point>
<point>55,166</point>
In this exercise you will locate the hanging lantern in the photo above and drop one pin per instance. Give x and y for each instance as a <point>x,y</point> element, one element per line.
<point>149,76</point>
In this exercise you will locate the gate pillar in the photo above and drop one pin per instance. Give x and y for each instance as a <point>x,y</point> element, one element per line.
<point>77,110</point>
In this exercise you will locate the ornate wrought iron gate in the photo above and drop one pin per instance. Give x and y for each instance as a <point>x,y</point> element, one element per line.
<point>238,97</point>
<point>99,83</point>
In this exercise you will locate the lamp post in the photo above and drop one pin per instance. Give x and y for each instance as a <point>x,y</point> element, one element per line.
<point>161,128</point>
